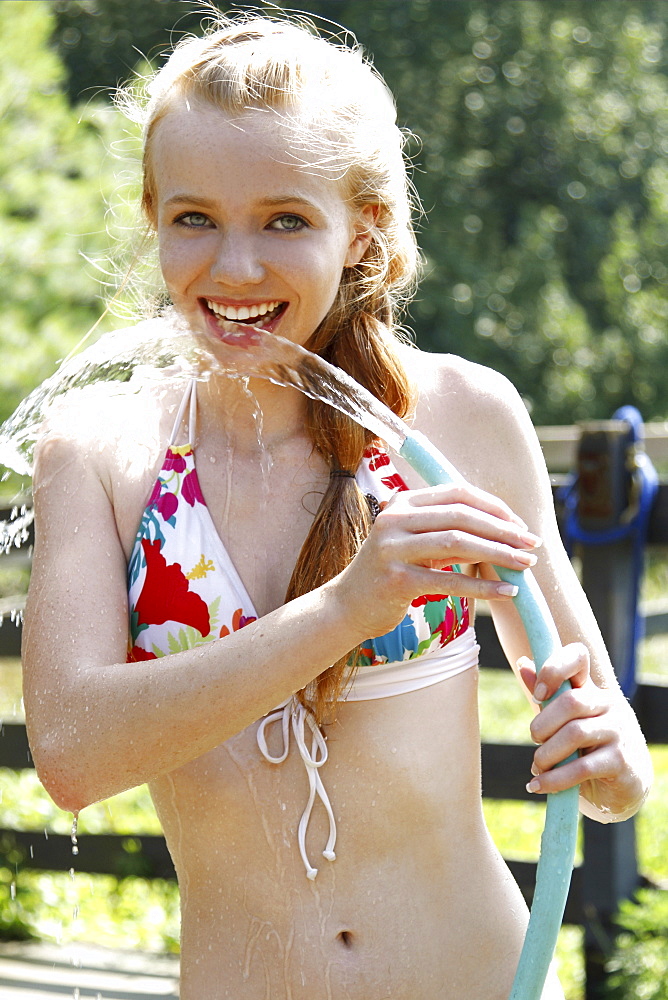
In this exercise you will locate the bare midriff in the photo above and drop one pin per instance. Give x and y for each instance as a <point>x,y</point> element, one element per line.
<point>418,905</point>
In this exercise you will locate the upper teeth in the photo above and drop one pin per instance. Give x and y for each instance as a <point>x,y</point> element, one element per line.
<point>241,312</point>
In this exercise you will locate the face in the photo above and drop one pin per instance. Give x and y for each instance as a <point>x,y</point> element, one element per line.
<point>244,233</point>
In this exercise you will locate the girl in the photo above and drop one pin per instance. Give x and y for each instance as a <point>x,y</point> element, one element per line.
<point>300,691</point>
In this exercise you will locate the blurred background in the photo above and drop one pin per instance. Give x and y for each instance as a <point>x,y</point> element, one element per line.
<point>540,155</point>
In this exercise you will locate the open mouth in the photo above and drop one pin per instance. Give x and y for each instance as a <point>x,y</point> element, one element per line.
<point>260,314</point>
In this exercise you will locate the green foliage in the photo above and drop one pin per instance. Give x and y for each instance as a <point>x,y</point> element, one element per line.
<point>541,163</point>
<point>57,181</point>
<point>638,966</point>
<point>117,913</point>
<point>126,912</point>
<point>543,132</point>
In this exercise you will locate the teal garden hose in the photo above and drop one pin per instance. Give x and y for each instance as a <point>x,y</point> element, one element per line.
<point>557,849</point>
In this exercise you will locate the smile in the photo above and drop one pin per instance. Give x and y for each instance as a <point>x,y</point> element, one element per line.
<point>260,313</point>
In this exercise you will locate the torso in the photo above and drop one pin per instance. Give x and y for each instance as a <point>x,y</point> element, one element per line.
<point>418,893</point>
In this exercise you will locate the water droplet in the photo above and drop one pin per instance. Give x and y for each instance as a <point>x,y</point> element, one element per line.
<point>73,834</point>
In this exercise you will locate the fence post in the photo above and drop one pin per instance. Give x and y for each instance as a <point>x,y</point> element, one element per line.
<point>610,871</point>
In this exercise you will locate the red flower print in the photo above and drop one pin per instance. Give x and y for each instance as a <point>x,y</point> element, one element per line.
<point>167,505</point>
<point>421,601</point>
<point>394,482</point>
<point>377,458</point>
<point>137,653</point>
<point>190,489</point>
<point>174,462</point>
<point>165,595</point>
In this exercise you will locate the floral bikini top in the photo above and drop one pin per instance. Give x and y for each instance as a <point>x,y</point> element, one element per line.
<point>184,590</point>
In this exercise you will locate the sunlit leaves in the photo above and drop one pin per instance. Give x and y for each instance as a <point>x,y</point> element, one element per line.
<point>543,135</point>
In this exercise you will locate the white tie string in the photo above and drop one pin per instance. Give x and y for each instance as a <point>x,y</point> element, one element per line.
<point>293,712</point>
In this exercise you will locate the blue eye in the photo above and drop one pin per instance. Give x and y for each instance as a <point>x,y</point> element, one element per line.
<point>289,223</point>
<point>192,220</point>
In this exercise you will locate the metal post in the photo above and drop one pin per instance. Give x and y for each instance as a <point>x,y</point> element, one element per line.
<point>610,871</point>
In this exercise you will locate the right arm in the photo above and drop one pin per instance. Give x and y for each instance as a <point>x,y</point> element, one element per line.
<point>98,725</point>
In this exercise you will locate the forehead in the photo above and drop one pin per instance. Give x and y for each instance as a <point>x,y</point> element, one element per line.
<point>263,148</point>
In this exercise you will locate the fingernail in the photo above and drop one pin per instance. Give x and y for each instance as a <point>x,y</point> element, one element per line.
<point>534,785</point>
<point>540,692</point>
<point>526,558</point>
<point>532,540</point>
<point>507,590</point>
<point>534,771</point>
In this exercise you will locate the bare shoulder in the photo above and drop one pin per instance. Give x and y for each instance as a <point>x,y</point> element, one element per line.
<point>106,408</point>
<point>102,444</point>
<point>474,415</point>
<point>97,429</point>
<point>442,379</point>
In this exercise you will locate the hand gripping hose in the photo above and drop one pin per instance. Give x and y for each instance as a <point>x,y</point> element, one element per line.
<point>557,848</point>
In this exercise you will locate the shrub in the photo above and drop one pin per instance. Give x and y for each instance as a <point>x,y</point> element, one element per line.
<point>638,966</point>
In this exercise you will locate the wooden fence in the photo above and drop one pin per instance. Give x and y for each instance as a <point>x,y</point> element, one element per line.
<point>609,870</point>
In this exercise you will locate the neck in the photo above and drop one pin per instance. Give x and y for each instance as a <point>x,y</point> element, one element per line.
<point>254,412</point>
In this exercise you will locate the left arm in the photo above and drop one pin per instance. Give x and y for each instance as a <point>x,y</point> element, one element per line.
<point>593,719</point>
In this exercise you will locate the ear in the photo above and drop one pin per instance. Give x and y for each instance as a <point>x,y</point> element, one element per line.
<point>364,225</point>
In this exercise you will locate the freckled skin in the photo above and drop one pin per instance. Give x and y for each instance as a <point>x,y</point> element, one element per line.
<point>418,903</point>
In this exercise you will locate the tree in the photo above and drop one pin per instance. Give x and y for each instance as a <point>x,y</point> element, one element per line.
<point>57,177</point>
<point>543,131</point>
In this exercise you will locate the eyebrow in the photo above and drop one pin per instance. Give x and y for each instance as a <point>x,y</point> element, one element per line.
<point>274,202</point>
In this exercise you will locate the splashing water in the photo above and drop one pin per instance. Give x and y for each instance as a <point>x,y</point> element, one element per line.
<point>251,351</point>
<point>151,349</point>
<point>154,349</point>
<point>73,834</point>
<point>164,348</point>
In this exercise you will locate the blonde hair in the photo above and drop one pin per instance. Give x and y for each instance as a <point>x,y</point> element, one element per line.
<point>340,119</point>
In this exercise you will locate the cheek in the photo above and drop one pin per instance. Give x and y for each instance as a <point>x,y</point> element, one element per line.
<point>179,263</point>
<point>319,269</point>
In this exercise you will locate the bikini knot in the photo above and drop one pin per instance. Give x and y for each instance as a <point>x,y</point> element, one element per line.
<point>293,715</point>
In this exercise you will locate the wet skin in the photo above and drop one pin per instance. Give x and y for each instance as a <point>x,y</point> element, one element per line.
<point>418,903</point>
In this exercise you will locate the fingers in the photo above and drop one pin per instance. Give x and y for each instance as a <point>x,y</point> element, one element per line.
<point>458,524</point>
<point>419,580</point>
<point>443,548</point>
<point>578,723</point>
<point>601,765</point>
<point>571,664</point>
<point>587,736</point>
<point>464,517</point>
<point>464,493</point>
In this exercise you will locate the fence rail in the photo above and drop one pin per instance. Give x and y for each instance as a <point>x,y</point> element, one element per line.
<point>609,869</point>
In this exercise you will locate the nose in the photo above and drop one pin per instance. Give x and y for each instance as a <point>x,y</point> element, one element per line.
<point>237,260</point>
